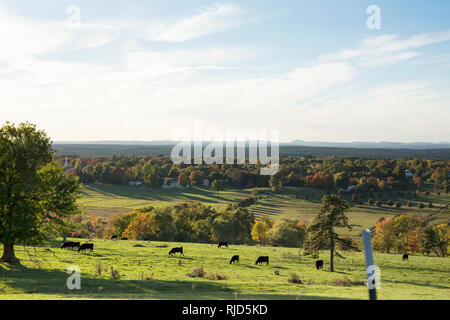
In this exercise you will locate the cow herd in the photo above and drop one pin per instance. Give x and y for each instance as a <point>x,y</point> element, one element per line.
<point>81,247</point>
<point>90,247</point>
<point>262,259</point>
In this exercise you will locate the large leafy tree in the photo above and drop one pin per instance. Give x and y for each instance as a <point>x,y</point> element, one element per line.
<point>36,196</point>
<point>217,185</point>
<point>259,231</point>
<point>275,183</point>
<point>436,239</point>
<point>154,180</point>
<point>183,179</point>
<point>196,178</point>
<point>321,232</point>
<point>287,233</point>
<point>399,232</point>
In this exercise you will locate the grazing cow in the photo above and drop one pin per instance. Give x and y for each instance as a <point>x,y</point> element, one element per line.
<point>67,244</point>
<point>76,244</point>
<point>319,264</point>
<point>405,257</point>
<point>114,237</point>
<point>223,243</point>
<point>124,238</point>
<point>261,260</point>
<point>175,250</point>
<point>86,246</point>
<point>234,259</point>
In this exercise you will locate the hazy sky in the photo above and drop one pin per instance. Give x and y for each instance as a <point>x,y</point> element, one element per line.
<point>140,70</point>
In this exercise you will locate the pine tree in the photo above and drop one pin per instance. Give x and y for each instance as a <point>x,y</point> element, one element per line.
<point>321,232</point>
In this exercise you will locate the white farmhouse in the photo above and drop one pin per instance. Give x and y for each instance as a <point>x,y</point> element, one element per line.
<point>408,174</point>
<point>172,184</point>
<point>136,183</point>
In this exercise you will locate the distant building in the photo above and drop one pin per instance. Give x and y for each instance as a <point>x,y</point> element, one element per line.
<point>70,171</point>
<point>136,183</point>
<point>409,174</point>
<point>170,183</point>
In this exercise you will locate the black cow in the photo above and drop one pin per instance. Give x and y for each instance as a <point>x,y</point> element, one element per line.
<point>67,244</point>
<point>86,246</point>
<point>262,259</point>
<point>223,243</point>
<point>114,237</point>
<point>124,238</point>
<point>234,259</point>
<point>76,244</point>
<point>70,244</point>
<point>319,264</point>
<point>175,250</point>
<point>405,257</point>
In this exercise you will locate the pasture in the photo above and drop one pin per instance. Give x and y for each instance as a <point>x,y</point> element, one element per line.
<point>148,272</point>
<point>105,200</point>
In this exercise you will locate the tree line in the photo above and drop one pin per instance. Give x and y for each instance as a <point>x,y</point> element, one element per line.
<point>324,173</point>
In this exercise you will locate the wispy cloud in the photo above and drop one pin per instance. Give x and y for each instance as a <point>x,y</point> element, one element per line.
<point>26,37</point>
<point>149,89</point>
<point>387,49</point>
<point>211,20</point>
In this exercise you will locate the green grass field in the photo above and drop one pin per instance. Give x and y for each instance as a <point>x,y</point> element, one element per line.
<point>150,273</point>
<point>105,200</point>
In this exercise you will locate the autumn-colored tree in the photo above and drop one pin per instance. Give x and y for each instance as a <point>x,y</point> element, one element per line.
<point>395,232</point>
<point>259,231</point>
<point>121,222</point>
<point>140,227</point>
<point>403,226</point>
<point>439,175</point>
<point>418,180</point>
<point>414,241</point>
<point>390,181</point>
<point>384,238</point>
<point>196,178</point>
<point>183,179</point>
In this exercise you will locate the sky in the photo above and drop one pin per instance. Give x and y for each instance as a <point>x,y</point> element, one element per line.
<point>154,70</point>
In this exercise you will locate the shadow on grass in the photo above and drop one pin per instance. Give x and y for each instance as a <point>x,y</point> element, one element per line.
<point>419,284</point>
<point>53,282</point>
<point>188,195</point>
<point>181,257</point>
<point>39,283</point>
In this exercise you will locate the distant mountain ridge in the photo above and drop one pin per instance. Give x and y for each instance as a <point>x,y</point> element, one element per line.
<point>355,144</point>
<point>377,145</point>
